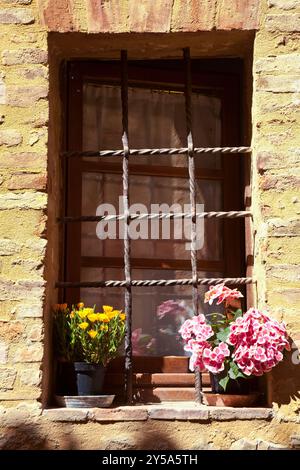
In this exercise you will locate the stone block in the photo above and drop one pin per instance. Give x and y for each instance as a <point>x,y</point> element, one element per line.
<point>24,56</point>
<point>16,16</point>
<point>26,161</point>
<point>31,353</point>
<point>237,14</point>
<point>229,414</point>
<point>74,415</point>
<point>119,414</point>
<point>149,16</point>
<point>285,23</point>
<point>244,444</point>
<point>284,4</point>
<point>193,15</point>
<point>179,413</point>
<point>7,379</point>
<point>278,83</point>
<point>24,200</point>
<point>28,181</point>
<point>23,96</point>
<point>10,137</point>
<point>3,352</point>
<point>31,376</point>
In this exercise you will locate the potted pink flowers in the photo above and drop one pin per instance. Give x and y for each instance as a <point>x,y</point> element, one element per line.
<point>233,345</point>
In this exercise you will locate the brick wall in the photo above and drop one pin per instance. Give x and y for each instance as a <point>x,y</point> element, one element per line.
<point>29,169</point>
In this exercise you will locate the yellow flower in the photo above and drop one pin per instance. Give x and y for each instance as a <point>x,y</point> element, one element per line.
<point>72,315</point>
<point>93,317</point>
<point>102,317</point>
<point>80,305</point>
<point>83,325</point>
<point>103,327</point>
<point>92,333</point>
<point>113,314</point>
<point>107,309</point>
<point>85,312</point>
<point>123,316</point>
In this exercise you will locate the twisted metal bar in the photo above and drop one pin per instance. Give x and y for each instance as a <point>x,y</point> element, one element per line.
<point>193,190</point>
<point>155,152</point>
<point>209,281</point>
<point>179,215</point>
<point>127,270</point>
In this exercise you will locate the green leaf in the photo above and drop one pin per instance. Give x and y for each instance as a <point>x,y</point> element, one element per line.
<point>223,382</point>
<point>222,335</point>
<point>238,313</point>
<point>234,371</point>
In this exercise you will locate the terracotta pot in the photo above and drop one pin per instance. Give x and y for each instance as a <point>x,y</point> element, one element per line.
<point>238,401</point>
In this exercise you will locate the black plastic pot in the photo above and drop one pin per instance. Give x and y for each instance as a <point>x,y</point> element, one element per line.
<point>235,387</point>
<point>89,378</point>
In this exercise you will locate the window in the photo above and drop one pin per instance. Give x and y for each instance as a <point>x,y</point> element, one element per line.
<point>176,110</point>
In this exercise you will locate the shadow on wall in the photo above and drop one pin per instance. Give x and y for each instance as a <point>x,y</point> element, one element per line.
<point>285,380</point>
<point>32,437</point>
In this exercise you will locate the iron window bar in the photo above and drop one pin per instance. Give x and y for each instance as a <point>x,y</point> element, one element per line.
<point>156,152</point>
<point>190,151</point>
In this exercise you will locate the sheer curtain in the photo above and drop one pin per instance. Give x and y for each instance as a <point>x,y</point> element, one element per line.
<point>156,119</point>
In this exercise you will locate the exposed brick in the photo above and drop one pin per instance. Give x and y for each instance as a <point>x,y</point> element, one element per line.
<point>279,183</point>
<point>33,73</point>
<point>180,414</point>
<point>24,96</point>
<point>11,331</point>
<point>31,376</point>
<point>20,290</point>
<point>282,228</point>
<point>193,15</point>
<point>31,353</point>
<point>8,247</point>
<point>3,352</point>
<point>10,137</point>
<point>118,414</point>
<point>66,415</point>
<point>28,181</point>
<point>24,161</point>
<point>286,63</point>
<point>149,16</point>
<point>24,56</point>
<point>237,14</point>
<point>16,16</point>
<point>279,83</point>
<point>23,201</point>
<point>284,4</point>
<point>272,161</point>
<point>7,379</point>
<point>57,15</point>
<point>283,23</point>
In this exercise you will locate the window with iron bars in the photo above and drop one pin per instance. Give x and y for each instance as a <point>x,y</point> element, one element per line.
<point>190,84</point>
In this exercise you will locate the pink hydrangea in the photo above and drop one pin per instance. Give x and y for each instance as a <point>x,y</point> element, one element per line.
<point>170,307</point>
<point>258,342</point>
<point>221,293</point>
<point>195,333</point>
<point>213,359</point>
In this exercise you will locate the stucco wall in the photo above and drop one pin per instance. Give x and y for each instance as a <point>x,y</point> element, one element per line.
<point>29,174</point>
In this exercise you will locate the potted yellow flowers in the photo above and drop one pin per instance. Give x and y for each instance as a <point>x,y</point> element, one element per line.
<point>87,341</point>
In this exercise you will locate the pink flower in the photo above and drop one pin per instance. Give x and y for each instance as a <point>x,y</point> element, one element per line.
<point>141,343</point>
<point>222,293</point>
<point>258,342</point>
<point>213,359</point>
<point>170,307</point>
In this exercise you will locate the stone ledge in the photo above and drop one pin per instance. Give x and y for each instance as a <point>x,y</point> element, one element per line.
<point>164,411</point>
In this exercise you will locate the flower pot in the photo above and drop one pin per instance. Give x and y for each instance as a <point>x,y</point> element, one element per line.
<point>239,386</point>
<point>89,378</point>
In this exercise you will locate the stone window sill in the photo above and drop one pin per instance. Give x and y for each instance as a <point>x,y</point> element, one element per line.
<point>163,411</point>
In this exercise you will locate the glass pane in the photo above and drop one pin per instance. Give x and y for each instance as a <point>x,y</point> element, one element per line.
<point>156,120</point>
<point>158,312</point>
<point>153,239</point>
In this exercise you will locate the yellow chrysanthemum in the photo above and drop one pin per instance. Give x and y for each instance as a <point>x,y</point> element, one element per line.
<point>93,317</point>
<point>85,312</point>
<point>102,317</point>
<point>82,314</point>
<point>83,325</point>
<point>92,333</point>
<point>107,308</point>
<point>80,305</point>
<point>104,327</point>
<point>123,316</point>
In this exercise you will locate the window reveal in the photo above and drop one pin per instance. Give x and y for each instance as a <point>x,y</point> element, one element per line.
<point>111,162</point>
